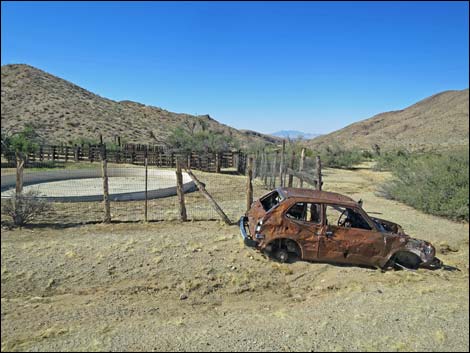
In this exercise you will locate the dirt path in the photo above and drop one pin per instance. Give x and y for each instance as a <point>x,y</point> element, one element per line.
<point>192,286</point>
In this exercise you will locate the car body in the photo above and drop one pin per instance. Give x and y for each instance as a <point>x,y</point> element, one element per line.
<point>329,227</point>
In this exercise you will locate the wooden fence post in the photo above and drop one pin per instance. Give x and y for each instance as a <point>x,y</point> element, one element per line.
<point>281,166</point>
<point>318,177</point>
<point>146,185</point>
<point>249,185</point>
<point>273,171</point>
<point>19,173</point>
<point>180,192</point>
<point>291,177</point>
<point>217,163</point>
<point>301,165</point>
<point>214,204</point>
<point>104,172</point>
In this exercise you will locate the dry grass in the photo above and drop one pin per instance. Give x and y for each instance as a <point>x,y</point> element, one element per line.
<point>120,286</point>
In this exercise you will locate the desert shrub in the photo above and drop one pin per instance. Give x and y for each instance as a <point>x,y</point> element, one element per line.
<point>203,141</point>
<point>391,160</point>
<point>338,157</point>
<point>24,207</point>
<point>434,183</point>
<point>22,142</point>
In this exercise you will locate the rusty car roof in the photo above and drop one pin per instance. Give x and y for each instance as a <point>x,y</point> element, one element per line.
<point>317,195</point>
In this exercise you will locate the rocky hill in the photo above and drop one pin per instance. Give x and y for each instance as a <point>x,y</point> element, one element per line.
<point>440,121</point>
<point>63,112</point>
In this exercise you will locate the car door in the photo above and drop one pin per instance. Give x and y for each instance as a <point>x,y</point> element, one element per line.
<point>304,222</point>
<point>352,242</point>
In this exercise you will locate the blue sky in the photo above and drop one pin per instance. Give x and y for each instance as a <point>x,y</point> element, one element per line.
<point>266,66</point>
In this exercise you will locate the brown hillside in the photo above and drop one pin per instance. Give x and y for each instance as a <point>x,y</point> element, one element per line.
<point>63,112</point>
<point>439,121</point>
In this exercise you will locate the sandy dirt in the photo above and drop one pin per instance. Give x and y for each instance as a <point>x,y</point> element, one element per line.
<point>193,286</point>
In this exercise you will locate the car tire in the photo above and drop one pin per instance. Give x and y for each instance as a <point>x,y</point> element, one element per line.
<point>281,255</point>
<point>407,259</point>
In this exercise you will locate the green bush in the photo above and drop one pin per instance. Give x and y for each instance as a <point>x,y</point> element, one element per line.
<point>434,183</point>
<point>203,141</point>
<point>338,157</point>
<point>391,160</point>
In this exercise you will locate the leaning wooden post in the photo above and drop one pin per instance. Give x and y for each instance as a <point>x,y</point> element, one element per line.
<point>180,192</point>
<point>146,184</point>
<point>211,200</point>
<point>104,172</point>
<point>249,184</point>
<point>318,178</point>
<point>301,165</point>
<point>281,166</point>
<point>292,161</point>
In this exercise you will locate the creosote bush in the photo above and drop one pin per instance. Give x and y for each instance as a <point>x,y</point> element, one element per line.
<point>337,157</point>
<point>23,208</point>
<point>436,183</point>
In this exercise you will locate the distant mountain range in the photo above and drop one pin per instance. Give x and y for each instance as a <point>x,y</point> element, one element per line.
<point>294,134</point>
<point>62,112</point>
<point>437,122</point>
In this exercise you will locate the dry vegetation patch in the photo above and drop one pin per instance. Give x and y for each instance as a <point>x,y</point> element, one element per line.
<point>193,286</point>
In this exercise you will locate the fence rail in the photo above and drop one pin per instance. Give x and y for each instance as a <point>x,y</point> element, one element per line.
<point>159,156</point>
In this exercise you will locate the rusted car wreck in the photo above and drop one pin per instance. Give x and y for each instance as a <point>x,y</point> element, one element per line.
<point>328,227</point>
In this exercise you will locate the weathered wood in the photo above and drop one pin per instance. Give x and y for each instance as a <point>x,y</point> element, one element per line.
<point>302,175</point>
<point>249,184</point>
<point>19,173</point>
<point>254,165</point>
<point>301,165</point>
<point>281,166</point>
<point>273,171</point>
<point>208,196</point>
<point>318,175</point>
<point>217,163</point>
<point>104,173</point>
<point>146,188</point>
<point>291,177</point>
<point>180,192</point>
<point>264,169</point>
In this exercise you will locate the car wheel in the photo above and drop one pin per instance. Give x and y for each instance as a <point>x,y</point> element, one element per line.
<point>281,255</point>
<point>407,260</point>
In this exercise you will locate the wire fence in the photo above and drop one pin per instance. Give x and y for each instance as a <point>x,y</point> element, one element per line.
<point>277,169</point>
<point>73,192</point>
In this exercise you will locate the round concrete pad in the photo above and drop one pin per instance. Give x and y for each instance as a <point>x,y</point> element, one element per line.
<point>125,184</point>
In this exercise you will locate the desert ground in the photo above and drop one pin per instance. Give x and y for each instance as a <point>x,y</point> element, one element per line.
<point>193,286</point>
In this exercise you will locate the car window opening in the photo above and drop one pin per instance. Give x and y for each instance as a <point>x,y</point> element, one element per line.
<point>271,200</point>
<point>345,217</point>
<point>305,211</point>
